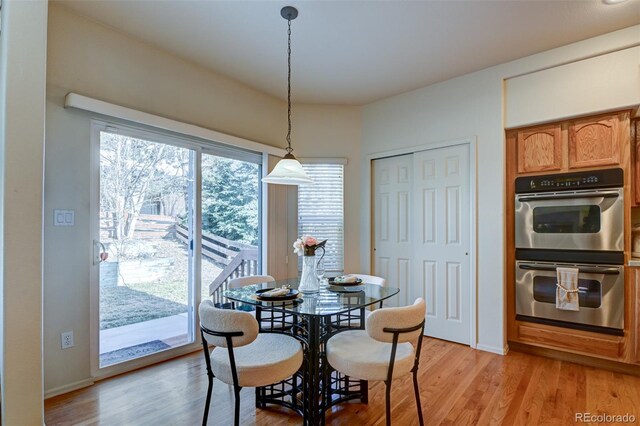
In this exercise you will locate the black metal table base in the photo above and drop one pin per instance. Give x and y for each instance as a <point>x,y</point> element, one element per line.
<point>316,387</point>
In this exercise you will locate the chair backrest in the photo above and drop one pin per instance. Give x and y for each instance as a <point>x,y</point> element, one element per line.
<point>372,279</point>
<point>227,321</point>
<point>396,318</point>
<point>250,280</point>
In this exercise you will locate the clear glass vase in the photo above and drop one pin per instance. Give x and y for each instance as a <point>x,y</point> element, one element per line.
<point>309,280</point>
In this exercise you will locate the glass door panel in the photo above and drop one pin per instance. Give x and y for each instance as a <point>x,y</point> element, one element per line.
<point>146,229</point>
<point>231,236</point>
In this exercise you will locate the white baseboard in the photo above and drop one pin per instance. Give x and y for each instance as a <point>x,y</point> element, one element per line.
<point>68,388</point>
<point>493,349</point>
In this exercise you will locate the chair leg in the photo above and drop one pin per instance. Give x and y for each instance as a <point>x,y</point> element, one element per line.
<point>417,391</point>
<point>236,416</point>
<point>364,391</point>
<point>208,402</point>
<point>388,402</point>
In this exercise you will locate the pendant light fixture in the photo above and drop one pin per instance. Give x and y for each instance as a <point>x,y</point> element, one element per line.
<point>288,171</point>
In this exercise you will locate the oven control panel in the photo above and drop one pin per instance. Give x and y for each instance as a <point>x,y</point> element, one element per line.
<point>608,178</point>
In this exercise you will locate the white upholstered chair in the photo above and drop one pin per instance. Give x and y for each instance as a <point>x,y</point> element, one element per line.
<point>268,319</point>
<point>350,320</point>
<point>242,357</point>
<point>250,280</point>
<point>384,350</point>
<point>372,279</point>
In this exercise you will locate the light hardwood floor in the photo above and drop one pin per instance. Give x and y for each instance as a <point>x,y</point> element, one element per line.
<point>459,386</point>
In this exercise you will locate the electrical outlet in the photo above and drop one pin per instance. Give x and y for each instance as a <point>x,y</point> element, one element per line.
<point>67,339</point>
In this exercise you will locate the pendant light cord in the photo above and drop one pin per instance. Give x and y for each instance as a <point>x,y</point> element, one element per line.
<point>289,149</point>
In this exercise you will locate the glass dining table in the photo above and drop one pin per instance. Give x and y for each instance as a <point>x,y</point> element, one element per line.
<point>312,319</point>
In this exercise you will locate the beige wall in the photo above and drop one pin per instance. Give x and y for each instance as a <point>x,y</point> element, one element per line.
<point>472,106</point>
<point>331,131</point>
<point>22,91</point>
<point>96,61</point>
<point>600,83</point>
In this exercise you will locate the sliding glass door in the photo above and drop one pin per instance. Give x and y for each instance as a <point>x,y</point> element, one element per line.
<point>230,221</point>
<point>173,221</point>
<point>145,254</point>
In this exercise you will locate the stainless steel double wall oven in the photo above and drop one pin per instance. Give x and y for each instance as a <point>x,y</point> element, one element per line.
<point>573,220</point>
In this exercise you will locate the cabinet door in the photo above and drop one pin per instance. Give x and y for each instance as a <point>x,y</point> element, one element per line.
<point>635,139</point>
<point>596,141</point>
<point>636,332</point>
<point>539,149</point>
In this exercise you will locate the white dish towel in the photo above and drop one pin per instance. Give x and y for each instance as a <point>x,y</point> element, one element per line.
<point>567,289</point>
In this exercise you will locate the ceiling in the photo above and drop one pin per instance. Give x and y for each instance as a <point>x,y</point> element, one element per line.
<point>355,52</point>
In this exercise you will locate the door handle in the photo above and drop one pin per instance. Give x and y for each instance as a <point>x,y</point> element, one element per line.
<point>603,271</point>
<point>99,252</point>
<point>569,197</point>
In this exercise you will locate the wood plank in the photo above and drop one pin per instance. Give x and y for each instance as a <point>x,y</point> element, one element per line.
<point>635,158</point>
<point>509,234</point>
<point>487,389</point>
<point>571,340</point>
<point>545,402</point>
<point>474,401</point>
<point>576,357</point>
<point>636,278</point>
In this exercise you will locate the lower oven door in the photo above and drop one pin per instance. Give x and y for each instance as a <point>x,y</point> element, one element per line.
<point>601,296</point>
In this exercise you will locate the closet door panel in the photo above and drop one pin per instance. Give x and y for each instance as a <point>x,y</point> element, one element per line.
<point>393,227</point>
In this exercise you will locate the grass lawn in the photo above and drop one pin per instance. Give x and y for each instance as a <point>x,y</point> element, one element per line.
<point>134,302</point>
<point>124,305</point>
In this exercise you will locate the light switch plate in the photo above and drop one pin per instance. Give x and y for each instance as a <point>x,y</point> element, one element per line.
<point>64,217</point>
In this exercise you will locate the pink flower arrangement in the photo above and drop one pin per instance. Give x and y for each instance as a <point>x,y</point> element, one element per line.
<point>308,240</point>
<point>307,245</point>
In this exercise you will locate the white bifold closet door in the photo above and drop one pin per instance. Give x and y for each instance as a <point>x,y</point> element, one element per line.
<point>422,234</point>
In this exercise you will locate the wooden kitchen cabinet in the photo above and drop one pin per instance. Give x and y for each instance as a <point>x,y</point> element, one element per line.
<point>596,141</point>
<point>635,138</point>
<point>599,141</point>
<point>539,149</point>
<point>636,321</point>
<point>588,143</point>
<point>574,341</point>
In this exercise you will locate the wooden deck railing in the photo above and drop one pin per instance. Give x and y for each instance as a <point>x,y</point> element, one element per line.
<point>238,259</point>
<point>245,263</point>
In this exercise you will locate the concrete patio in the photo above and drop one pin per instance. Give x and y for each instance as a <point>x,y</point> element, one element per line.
<point>172,330</point>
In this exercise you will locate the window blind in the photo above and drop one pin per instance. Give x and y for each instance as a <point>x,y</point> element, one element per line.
<point>321,212</point>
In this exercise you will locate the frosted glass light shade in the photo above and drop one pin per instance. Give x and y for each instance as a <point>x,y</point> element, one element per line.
<point>288,171</point>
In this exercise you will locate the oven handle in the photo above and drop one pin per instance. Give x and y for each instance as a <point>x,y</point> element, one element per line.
<point>603,271</point>
<point>570,196</point>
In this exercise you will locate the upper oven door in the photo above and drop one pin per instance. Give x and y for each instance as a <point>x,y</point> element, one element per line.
<point>576,220</point>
